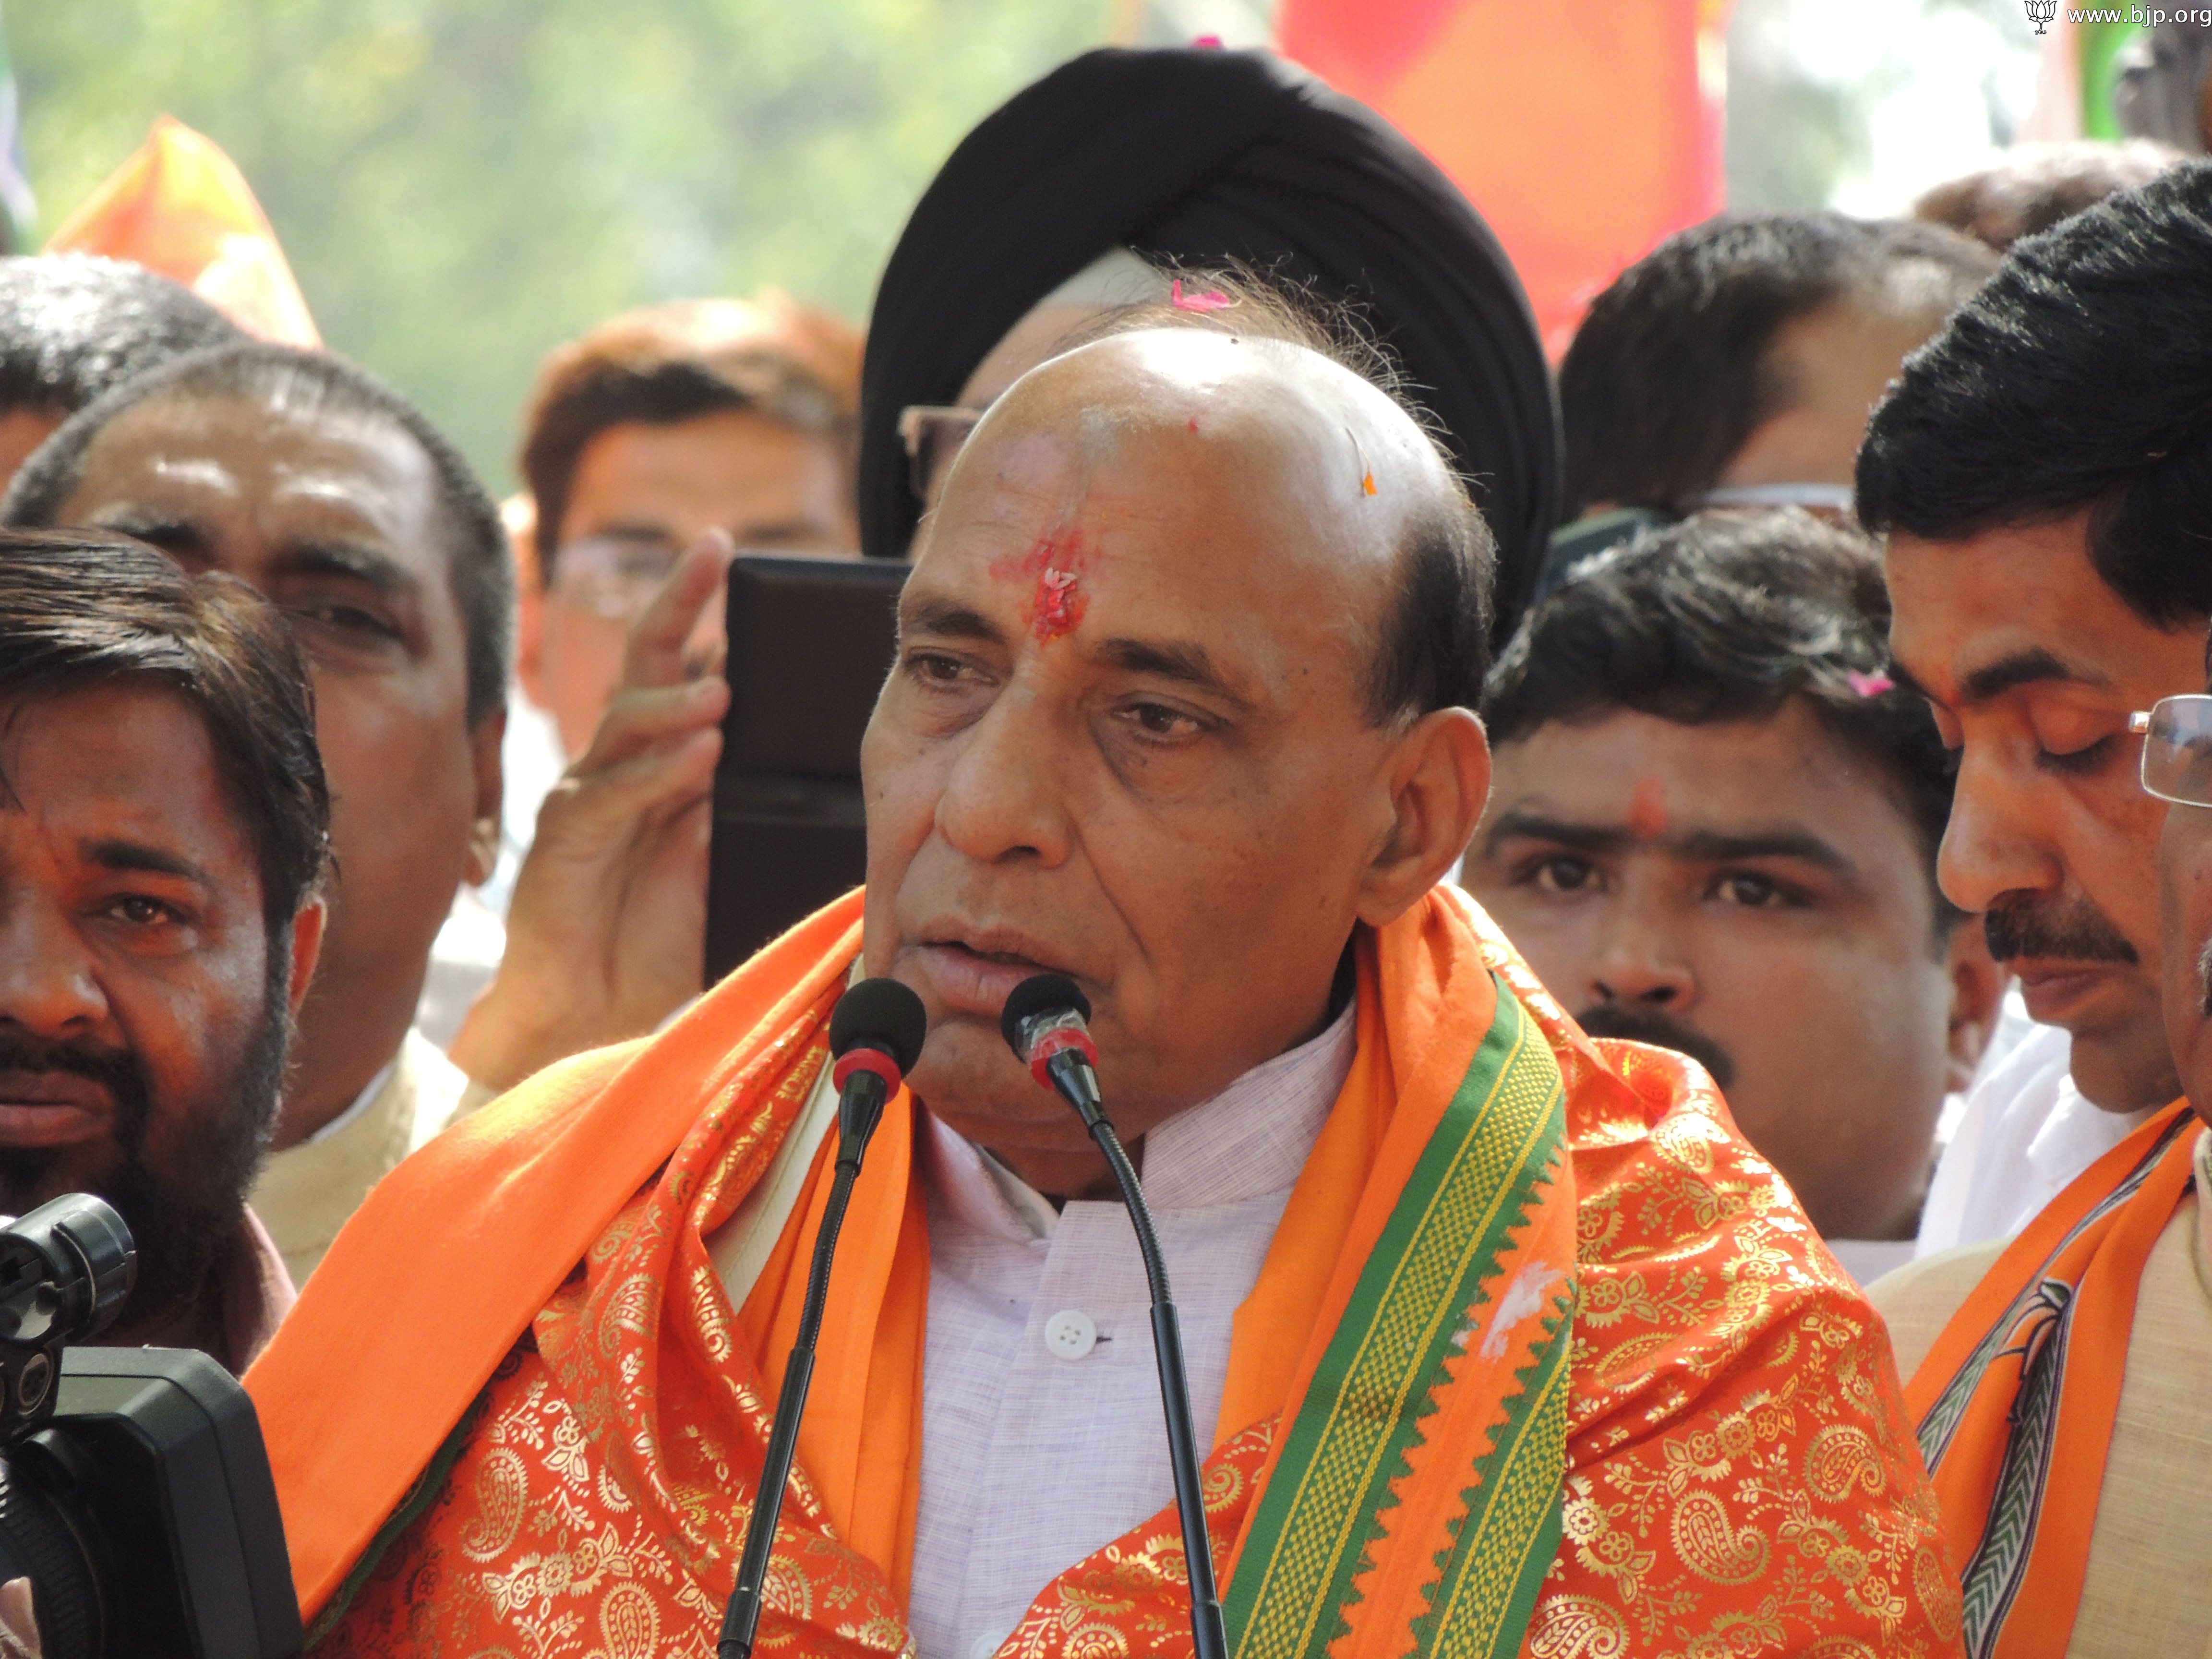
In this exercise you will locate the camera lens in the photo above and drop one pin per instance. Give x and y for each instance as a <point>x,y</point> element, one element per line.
<point>38,1542</point>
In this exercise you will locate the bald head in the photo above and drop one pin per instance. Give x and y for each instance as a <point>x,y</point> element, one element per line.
<point>1348,502</point>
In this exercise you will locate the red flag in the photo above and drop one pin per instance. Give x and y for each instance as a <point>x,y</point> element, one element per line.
<point>1583,133</point>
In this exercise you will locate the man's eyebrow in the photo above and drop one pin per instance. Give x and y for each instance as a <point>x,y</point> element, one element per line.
<point>2029,667</point>
<point>1183,662</point>
<point>1704,846</point>
<point>1534,826</point>
<point>115,853</point>
<point>926,613</point>
<point>1719,846</point>
<point>360,561</point>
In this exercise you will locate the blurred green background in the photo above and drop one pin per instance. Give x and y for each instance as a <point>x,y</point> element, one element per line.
<point>460,184</point>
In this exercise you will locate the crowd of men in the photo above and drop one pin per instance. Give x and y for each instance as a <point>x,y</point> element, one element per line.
<point>1652,939</point>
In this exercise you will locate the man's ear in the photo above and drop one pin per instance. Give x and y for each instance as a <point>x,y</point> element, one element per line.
<point>1439,777</point>
<point>491,789</point>
<point>1977,988</point>
<point>308,928</point>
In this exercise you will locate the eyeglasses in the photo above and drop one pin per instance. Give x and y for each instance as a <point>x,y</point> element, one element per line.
<point>932,434</point>
<point>2177,756</point>
<point>613,576</point>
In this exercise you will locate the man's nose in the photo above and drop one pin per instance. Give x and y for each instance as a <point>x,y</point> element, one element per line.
<point>1641,963</point>
<point>49,984</point>
<point>1002,797</point>
<point>1995,842</point>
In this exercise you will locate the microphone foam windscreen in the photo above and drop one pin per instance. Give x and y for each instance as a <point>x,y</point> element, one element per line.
<point>1040,993</point>
<point>883,1014</point>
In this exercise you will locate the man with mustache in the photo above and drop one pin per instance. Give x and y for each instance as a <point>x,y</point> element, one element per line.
<point>163,836</point>
<point>1179,709</point>
<point>1713,827</point>
<point>2044,469</point>
<point>302,474</point>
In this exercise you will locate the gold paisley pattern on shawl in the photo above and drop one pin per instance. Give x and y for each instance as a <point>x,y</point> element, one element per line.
<point>1742,1479</point>
<point>590,1515</point>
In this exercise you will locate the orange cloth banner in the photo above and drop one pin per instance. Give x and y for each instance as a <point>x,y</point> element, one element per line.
<point>180,206</point>
<point>1584,134</point>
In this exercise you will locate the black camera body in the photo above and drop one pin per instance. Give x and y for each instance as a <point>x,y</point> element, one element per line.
<point>135,1490</point>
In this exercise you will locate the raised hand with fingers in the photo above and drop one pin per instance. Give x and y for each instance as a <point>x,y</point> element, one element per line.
<point>607,928</point>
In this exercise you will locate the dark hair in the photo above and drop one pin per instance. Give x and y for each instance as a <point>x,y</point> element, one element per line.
<point>316,383</point>
<point>85,608</point>
<point>71,326</point>
<point>1727,616</point>
<point>2032,187</point>
<point>1435,645</point>
<point>2079,378</point>
<point>675,362</point>
<point>1673,369</point>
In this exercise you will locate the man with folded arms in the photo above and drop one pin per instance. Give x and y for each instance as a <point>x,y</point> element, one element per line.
<point>2045,472</point>
<point>1495,1334</point>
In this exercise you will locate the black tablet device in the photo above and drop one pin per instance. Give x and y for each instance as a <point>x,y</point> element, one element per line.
<point>811,640</point>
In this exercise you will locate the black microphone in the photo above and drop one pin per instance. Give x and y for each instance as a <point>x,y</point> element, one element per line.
<point>1047,1023</point>
<point>875,1036</point>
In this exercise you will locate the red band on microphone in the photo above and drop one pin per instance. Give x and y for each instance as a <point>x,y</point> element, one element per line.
<point>1065,1037</point>
<point>867,1060</point>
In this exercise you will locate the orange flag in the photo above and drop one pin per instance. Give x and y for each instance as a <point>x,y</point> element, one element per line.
<point>180,206</point>
<point>1584,134</point>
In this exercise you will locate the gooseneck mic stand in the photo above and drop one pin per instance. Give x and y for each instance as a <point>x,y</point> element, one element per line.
<point>1046,1022</point>
<point>876,1035</point>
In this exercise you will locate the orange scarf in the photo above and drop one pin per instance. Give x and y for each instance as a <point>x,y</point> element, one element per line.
<point>2018,1395</point>
<point>562,1463</point>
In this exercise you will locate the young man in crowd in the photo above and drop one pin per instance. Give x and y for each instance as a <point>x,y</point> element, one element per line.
<point>163,838</point>
<point>72,326</point>
<point>335,497</point>
<point>657,426</point>
<point>2044,472</point>
<point>1713,827</point>
<point>1182,709</point>
<point>1736,365</point>
<point>672,433</point>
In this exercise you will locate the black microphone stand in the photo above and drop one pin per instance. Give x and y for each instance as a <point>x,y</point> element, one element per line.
<point>1077,1084</point>
<point>860,1107</point>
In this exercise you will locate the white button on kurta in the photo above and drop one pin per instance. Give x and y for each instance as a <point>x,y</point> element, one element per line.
<point>1042,1435</point>
<point>1070,1334</point>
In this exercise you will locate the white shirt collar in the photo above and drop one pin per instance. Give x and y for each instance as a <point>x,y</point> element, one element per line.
<point>1252,1139</point>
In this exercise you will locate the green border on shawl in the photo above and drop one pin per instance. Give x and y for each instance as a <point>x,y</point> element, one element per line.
<point>1493,1152</point>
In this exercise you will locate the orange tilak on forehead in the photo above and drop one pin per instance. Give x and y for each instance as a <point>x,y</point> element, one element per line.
<point>1647,809</point>
<point>1055,566</point>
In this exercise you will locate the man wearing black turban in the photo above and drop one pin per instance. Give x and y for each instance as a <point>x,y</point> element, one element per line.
<point>1194,157</point>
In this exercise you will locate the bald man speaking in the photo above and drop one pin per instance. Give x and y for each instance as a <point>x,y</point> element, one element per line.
<point>1500,1340</point>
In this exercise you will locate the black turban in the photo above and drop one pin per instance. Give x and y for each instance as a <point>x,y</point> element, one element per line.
<point>1194,156</point>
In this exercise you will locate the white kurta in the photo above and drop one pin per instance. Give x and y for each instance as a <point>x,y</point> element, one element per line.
<point>2025,1133</point>
<point>1042,1433</point>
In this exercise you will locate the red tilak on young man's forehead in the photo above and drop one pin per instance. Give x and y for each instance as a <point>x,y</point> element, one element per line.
<point>1647,809</point>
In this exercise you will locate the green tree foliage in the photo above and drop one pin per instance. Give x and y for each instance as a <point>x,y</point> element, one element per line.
<point>460,185</point>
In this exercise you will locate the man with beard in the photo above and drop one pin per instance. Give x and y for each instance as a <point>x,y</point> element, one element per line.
<point>2045,472</point>
<point>163,836</point>
<point>334,497</point>
<point>1714,828</point>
